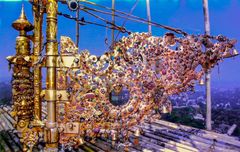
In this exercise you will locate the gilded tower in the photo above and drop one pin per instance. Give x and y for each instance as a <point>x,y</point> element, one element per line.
<point>22,80</point>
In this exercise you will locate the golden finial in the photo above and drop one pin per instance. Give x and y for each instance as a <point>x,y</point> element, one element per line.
<point>22,15</point>
<point>22,24</point>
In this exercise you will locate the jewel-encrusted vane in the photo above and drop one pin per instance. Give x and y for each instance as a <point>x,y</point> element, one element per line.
<point>150,68</point>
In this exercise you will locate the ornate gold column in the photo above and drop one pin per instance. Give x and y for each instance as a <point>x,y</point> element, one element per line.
<point>37,70</point>
<point>51,132</point>
<point>22,86</point>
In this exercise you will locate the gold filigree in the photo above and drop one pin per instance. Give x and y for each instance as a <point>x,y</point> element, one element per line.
<point>29,139</point>
<point>81,87</point>
<point>143,65</point>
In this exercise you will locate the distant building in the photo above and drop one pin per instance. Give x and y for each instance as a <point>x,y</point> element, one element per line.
<point>198,117</point>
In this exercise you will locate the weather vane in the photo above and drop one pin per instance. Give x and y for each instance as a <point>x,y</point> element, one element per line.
<point>80,87</point>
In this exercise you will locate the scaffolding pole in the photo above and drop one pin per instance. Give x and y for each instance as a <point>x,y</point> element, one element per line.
<point>208,71</point>
<point>149,16</point>
<point>77,26</point>
<point>113,19</point>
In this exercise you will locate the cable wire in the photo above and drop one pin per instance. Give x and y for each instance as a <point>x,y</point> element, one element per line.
<point>106,21</point>
<point>82,21</point>
<point>130,16</point>
<point>124,22</point>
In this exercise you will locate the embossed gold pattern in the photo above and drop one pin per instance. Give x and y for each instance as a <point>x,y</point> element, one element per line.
<point>144,65</point>
<point>79,86</point>
<point>37,47</point>
<point>51,85</point>
<point>22,84</point>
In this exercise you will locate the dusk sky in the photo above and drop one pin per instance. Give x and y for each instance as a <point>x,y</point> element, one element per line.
<point>183,14</point>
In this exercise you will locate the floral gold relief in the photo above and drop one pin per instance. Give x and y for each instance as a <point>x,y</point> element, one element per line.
<point>89,96</point>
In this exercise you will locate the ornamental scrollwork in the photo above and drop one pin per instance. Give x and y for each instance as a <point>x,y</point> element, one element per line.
<point>147,68</point>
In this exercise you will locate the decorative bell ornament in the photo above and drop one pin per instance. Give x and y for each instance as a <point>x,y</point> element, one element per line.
<point>164,109</point>
<point>137,132</point>
<point>114,135</point>
<point>126,148</point>
<point>235,52</point>
<point>80,141</point>
<point>201,82</point>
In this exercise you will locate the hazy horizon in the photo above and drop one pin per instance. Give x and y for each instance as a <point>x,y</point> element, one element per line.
<point>183,14</point>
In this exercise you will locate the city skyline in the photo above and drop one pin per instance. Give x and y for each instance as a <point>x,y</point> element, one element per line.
<point>183,14</point>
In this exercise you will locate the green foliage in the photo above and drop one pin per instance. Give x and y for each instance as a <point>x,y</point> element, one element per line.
<point>228,117</point>
<point>184,116</point>
<point>4,101</point>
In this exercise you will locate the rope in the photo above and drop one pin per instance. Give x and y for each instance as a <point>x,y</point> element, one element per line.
<point>133,17</point>
<point>138,19</point>
<point>40,60</point>
<point>82,21</point>
<point>107,22</point>
<point>124,22</point>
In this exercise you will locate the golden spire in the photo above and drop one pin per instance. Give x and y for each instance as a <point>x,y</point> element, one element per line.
<point>22,23</point>
<point>22,15</point>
